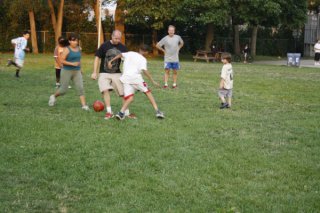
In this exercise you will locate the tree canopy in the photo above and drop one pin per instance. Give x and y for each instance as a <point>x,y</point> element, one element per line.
<point>204,17</point>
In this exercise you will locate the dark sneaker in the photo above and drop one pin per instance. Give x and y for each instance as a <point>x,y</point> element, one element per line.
<point>9,62</point>
<point>165,86</point>
<point>120,116</point>
<point>224,105</point>
<point>159,114</point>
<point>174,86</point>
<point>108,115</point>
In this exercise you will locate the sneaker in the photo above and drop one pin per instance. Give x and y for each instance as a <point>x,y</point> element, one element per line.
<point>224,105</point>
<point>159,114</point>
<point>131,116</point>
<point>165,86</point>
<point>85,107</point>
<point>9,63</point>
<point>69,87</point>
<point>52,100</point>
<point>108,115</point>
<point>174,86</point>
<point>120,116</point>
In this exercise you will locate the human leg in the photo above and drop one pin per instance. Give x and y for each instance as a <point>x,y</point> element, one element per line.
<point>65,78</point>
<point>127,101</point>
<point>175,76</point>
<point>104,82</point>
<point>222,94</point>
<point>152,100</point>
<point>119,89</point>
<point>58,75</point>
<point>166,77</point>
<point>78,82</point>
<point>159,114</point>
<point>18,64</point>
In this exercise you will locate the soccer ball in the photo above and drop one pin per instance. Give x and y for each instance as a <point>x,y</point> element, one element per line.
<point>98,106</point>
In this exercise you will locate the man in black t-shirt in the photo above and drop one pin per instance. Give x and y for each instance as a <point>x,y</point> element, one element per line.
<point>109,79</point>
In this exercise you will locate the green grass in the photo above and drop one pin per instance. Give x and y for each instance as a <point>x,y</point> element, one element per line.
<point>260,156</point>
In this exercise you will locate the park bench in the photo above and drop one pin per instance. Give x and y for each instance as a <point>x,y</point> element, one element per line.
<point>204,55</point>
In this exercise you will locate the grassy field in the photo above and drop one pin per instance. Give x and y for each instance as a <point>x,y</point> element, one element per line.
<point>260,156</point>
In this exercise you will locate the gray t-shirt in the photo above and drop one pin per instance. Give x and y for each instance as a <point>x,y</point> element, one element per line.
<point>171,46</point>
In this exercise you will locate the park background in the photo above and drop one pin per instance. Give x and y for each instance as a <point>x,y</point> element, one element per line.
<point>272,27</point>
<point>260,156</point>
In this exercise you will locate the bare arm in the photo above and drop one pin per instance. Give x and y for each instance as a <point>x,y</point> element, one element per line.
<point>160,48</point>
<point>112,60</point>
<point>181,44</point>
<point>96,66</point>
<point>148,74</point>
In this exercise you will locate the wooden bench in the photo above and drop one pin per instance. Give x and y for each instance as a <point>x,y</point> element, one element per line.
<point>207,58</point>
<point>203,55</point>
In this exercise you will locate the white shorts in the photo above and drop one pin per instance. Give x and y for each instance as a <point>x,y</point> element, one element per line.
<point>19,62</point>
<point>130,89</point>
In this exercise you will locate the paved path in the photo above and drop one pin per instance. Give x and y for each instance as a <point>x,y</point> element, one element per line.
<point>303,63</point>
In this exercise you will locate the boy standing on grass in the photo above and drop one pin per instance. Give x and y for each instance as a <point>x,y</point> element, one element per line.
<point>134,64</point>
<point>20,47</point>
<point>226,82</point>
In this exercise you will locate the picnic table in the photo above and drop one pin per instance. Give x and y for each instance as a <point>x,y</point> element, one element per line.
<point>204,55</point>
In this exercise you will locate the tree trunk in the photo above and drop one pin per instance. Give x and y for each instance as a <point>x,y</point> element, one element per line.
<point>236,39</point>
<point>98,20</point>
<point>34,41</point>
<point>154,42</point>
<point>53,15</point>
<point>59,21</point>
<point>209,37</point>
<point>254,40</point>
<point>119,20</point>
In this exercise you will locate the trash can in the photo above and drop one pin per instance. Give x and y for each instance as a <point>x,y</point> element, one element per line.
<point>293,59</point>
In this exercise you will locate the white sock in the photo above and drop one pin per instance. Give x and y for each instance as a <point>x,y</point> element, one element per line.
<point>174,84</point>
<point>166,84</point>
<point>127,112</point>
<point>109,109</point>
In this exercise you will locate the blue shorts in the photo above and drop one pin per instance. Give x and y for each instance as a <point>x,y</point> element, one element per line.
<point>172,65</point>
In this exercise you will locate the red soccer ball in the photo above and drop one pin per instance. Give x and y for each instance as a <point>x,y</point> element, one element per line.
<point>98,106</point>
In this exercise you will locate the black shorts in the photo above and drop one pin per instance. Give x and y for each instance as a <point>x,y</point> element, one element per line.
<point>317,56</point>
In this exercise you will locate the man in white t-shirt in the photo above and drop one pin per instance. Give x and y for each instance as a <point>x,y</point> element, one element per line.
<point>317,53</point>
<point>226,81</point>
<point>20,47</point>
<point>134,64</point>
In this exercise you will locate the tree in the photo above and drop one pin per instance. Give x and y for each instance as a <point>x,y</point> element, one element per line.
<point>18,9</point>
<point>119,19</point>
<point>152,14</point>
<point>57,20</point>
<point>207,13</point>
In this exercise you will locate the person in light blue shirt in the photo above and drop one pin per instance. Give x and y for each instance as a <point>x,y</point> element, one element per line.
<point>20,49</point>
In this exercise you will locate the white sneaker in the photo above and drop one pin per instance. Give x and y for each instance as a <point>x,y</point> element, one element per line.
<point>85,107</point>
<point>159,114</point>
<point>52,100</point>
<point>69,87</point>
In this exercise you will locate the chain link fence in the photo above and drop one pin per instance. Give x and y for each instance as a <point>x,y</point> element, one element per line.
<point>88,42</point>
